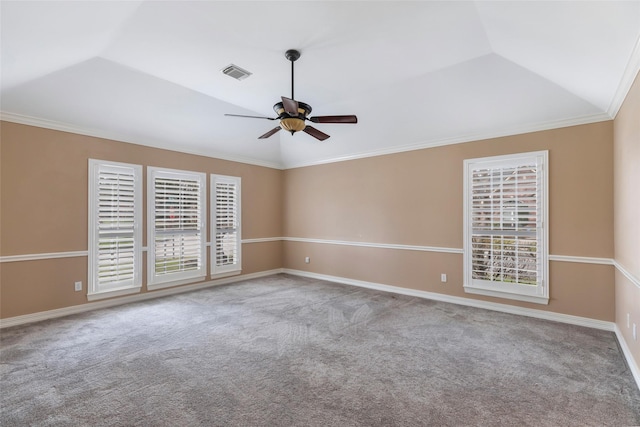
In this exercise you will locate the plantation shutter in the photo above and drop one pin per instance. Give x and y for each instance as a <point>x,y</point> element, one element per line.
<point>505,210</point>
<point>226,233</point>
<point>177,221</point>
<point>115,234</point>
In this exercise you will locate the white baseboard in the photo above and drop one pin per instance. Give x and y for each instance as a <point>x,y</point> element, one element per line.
<point>505,308</point>
<point>633,366</point>
<point>81,308</point>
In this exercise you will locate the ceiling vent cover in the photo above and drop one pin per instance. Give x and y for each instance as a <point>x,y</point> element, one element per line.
<point>236,72</point>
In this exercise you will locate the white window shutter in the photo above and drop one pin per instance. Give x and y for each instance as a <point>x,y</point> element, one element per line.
<point>505,235</point>
<point>226,250</point>
<point>176,227</point>
<point>115,235</point>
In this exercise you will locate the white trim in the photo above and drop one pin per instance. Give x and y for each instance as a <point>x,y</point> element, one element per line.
<point>263,240</point>
<point>581,259</point>
<point>504,308</point>
<point>558,258</point>
<point>81,308</point>
<point>626,351</point>
<point>630,72</point>
<point>519,130</point>
<point>41,256</point>
<point>162,145</point>
<point>376,245</point>
<point>633,279</point>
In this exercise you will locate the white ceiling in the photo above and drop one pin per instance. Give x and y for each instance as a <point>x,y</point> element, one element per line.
<point>416,73</point>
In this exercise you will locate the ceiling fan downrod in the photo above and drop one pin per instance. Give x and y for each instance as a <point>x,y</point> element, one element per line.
<point>292,55</point>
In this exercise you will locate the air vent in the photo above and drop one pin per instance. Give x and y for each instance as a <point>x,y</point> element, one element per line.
<point>236,72</point>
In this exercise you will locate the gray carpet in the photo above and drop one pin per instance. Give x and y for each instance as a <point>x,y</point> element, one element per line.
<point>288,351</point>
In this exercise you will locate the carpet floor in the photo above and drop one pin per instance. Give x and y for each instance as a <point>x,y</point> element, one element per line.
<point>291,351</point>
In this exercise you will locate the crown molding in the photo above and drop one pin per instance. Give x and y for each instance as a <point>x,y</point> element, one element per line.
<point>628,77</point>
<point>518,130</point>
<point>556,124</point>
<point>65,127</point>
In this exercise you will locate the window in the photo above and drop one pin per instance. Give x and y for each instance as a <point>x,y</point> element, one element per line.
<point>505,233</point>
<point>176,224</point>
<point>225,233</point>
<point>115,234</point>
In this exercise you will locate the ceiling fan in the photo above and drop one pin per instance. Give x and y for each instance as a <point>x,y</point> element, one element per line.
<point>293,114</point>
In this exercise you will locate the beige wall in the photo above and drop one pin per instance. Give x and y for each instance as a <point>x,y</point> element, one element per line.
<point>412,198</point>
<point>627,214</point>
<point>44,210</point>
<point>415,198</point>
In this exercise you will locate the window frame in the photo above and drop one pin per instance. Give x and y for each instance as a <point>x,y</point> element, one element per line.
<point>155,281</point>
<point>94,288</point>
<point>218,271</point>
<point>522,292</point>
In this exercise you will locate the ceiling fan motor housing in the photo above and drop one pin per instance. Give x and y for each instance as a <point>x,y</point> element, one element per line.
<point>290,122</point>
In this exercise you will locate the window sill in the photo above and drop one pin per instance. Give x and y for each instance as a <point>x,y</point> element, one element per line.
<point>225,274</point>
<point>110,294</point>
<point>162,285</point>
<point>498,294</point>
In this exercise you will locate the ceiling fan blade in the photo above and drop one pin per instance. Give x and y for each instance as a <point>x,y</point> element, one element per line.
<point>316,133</point>
<point>334,119</point>
<point>271,132</point>
<point>290,106</point>
<point>250,117</point>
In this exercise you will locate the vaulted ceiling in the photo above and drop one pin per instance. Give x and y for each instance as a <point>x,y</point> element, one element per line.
<point>416,73</point>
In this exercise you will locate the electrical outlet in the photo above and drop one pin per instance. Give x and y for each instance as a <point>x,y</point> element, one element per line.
<point>635,335</point>
<point>78,286</point>
<point>307,260</point>
<point>443,277</point>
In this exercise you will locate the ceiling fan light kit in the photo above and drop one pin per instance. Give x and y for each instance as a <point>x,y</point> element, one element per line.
<point>292,124</point>
<point>293,114</point>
